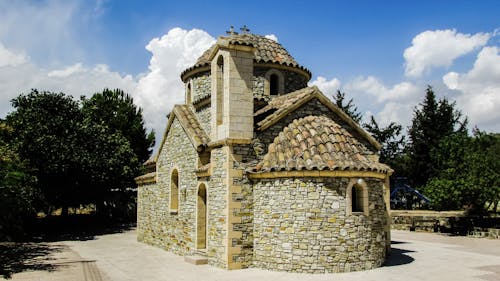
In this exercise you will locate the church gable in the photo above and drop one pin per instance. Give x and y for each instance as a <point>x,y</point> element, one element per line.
<point>192,128</point>
<point>290,105</point>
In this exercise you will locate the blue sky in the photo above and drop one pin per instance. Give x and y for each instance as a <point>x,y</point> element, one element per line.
<point>381,53</point>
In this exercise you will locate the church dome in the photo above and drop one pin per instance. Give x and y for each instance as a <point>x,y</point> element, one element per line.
<point>267,51</point>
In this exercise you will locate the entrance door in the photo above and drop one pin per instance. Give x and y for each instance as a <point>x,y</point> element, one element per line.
<point>201,228</point>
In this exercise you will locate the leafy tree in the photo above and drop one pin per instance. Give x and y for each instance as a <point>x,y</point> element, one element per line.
<point>468,175</point>
<point>45,128</point>
<point>117,111</point>
<point>390,138</point>
<point>349,108</point>
<point>431,123</point>
<point>17,192</point>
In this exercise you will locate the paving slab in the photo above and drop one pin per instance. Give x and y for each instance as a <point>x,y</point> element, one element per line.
<point>415,256</point>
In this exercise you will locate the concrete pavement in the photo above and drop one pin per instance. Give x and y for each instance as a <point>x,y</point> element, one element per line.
<point>416,256</point>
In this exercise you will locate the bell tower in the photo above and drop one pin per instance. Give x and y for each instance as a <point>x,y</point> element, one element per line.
<point>232,98</point>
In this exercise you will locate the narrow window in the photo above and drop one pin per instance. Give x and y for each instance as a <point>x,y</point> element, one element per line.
<point>188,93</point>
<point>357,198</point>
<point>220,89</point>
<point>174,192</point>
<point>201,227</point>
<point>274,84</point>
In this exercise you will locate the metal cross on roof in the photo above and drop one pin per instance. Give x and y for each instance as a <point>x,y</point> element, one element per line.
<point>245,29</point>
<point>231,31</point>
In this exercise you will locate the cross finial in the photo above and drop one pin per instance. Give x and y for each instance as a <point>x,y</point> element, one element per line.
<point>231,31</point>
<point>245,29</point>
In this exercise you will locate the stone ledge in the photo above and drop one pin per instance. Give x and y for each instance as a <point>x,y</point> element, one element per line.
<point>196,260</point>
<point>316,173</point>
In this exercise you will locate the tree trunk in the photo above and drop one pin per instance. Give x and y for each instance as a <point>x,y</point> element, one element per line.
<point>64,211</point>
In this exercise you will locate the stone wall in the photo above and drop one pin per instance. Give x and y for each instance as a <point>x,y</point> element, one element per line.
<point>203,116</point>
<point>216,209</point>
<point>300,225</point>
<point>201,84</point>
<point>292,82</point>
<point>157,225</point>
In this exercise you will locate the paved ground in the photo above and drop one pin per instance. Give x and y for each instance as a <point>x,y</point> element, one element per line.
<point>416,256</point>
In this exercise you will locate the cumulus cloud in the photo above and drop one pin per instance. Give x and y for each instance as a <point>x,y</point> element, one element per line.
<point>77,80</point>
<point>272,37</point>
<point>479,88</point>
<point>161,87</point>
<point>9,58</point>
<point>439,48</point>
<point>328,87</point>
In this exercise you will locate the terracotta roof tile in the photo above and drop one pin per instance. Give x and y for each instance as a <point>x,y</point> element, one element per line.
<point>190,123</point>
<point>317,142</point>
<point>266,51</point>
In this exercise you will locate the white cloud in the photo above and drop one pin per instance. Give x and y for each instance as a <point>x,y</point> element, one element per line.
<point>272,37</point>
<point>439,48</point>
<point>156,91</point>
<point>328,87</point>
<point>9,58</point>
<point>480,89</point>
<point>161,88</point>
<point>76,80</point>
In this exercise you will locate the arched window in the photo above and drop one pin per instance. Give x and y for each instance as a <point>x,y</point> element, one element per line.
<point>188,93</point>
<point>357,197</point>
<point>274,83</point>
<point>174,192</point>
<point>201,217</point>
<point>220,89</point>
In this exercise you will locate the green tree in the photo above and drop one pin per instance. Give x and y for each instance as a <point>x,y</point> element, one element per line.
<point>46,134</point>
<point>17,192</point>
<point>116,110</point>
<point>431,123</point>
<point>349,108</point>
<point>392,142</point>
<point>468,176</point>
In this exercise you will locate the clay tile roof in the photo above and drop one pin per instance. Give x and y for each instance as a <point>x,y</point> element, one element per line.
<point>283,103</point>
<point>146,178</point>
<point>191,125</point>
<point>266,51</point>
<point>317,143</point>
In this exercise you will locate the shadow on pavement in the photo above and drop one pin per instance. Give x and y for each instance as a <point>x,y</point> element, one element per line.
<point>18,257</point>
<point>35,251</point>
<point>75,227</point>
<point>398,257</point>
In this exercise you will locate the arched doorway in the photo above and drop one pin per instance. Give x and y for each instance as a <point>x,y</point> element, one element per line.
<point>201,220</point>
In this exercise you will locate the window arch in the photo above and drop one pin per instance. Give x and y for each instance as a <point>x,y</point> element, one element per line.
<point>357,197</point>
<point>220,89</point>
<point>201,217</point>
<point>174,191</point>
<point>188,93</point>
<point>274,83</point>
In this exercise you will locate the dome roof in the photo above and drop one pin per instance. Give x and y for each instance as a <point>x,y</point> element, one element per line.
<point>317,143</point>
<point>266,51</point>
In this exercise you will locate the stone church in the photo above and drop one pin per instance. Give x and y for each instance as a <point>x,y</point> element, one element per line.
<point>256,169</point>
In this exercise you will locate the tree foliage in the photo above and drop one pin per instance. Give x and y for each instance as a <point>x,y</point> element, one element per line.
<point>431,123</point>
<point>80,155</point>
<point>350,109</point>
<point>46,130</point>
<point>390,138</point>
<point>17,192</point>
<point>116,110</point>
<point>468,176</point>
